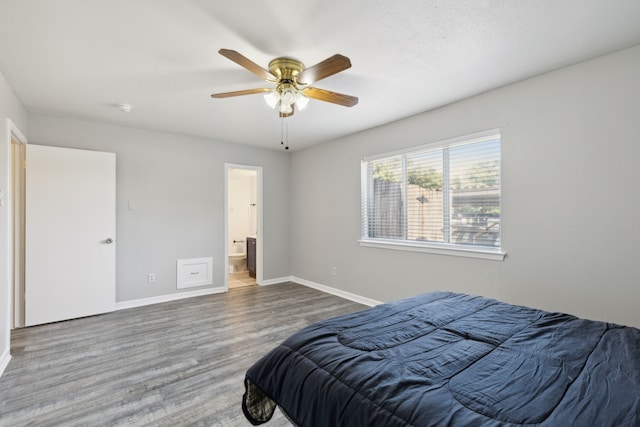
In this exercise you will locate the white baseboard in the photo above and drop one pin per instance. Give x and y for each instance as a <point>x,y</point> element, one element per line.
<point>323,288</point>
<point>343,294</point>
<point>166,298</point>
<point>276,281</point>
<point>4,361</point>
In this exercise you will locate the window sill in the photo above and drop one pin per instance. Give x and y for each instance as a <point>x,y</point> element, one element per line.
<point>439,249</point>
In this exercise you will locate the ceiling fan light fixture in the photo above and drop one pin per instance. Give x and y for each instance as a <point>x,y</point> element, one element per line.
<point>272,98</point>
<point>286,108</point>
<point>288,96</point>
<point>301,101</point>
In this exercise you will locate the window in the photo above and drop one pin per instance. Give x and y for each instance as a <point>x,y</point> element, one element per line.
<point>442,197</point>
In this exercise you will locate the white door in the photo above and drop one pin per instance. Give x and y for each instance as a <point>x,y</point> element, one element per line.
<point>70,233</point>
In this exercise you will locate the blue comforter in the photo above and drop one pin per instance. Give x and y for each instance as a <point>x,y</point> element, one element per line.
<point>446,359</point>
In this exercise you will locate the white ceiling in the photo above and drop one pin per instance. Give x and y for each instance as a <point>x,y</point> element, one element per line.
<point>81,58</point>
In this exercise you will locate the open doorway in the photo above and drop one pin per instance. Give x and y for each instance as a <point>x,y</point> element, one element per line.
<point>17,214</point>
<point>243,225</point>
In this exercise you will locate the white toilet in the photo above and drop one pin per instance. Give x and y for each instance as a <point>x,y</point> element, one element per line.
<point>237,257</point>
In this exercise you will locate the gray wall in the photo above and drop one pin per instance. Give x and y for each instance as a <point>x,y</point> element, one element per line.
<point>177,185</point>
<point>571,197</point>
<point>10,108</point>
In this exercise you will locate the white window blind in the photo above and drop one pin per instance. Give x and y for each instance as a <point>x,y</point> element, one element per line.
<point>445,194</point>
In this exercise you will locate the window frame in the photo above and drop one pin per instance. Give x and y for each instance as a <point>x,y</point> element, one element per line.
<point>440,248</point>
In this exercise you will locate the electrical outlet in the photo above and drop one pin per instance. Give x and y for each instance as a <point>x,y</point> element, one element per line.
<point>152,277</point>
<point>334,271</point>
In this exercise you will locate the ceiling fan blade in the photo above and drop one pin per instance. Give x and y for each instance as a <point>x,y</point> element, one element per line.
<point>245,62</point>
<point>324,69</point>
<point>328,96</point>
<point>240,92</point>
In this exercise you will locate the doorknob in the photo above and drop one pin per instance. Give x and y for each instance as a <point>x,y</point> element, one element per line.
<point>109,241</point>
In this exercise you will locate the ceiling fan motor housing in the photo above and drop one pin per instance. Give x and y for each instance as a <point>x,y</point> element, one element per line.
<point>286,70</point>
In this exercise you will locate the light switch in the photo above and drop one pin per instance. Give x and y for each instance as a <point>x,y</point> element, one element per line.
<point>131,205</point>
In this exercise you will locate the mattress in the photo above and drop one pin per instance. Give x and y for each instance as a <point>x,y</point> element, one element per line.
<point>452,359</point>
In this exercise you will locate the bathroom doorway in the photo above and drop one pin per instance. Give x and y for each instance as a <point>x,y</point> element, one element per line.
<point>243,219</point>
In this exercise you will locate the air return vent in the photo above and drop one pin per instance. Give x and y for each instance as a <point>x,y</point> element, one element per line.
<point>194,272</point>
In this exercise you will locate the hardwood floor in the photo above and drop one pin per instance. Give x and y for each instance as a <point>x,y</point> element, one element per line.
<point>170,364</point>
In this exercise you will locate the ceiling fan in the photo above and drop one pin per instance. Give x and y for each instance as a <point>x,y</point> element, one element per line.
<point>292,81</point>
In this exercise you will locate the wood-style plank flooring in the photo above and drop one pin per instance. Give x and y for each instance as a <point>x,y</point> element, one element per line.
<point>171,364</point>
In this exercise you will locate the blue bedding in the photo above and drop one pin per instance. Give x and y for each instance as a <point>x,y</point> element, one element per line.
<point>447,359</point>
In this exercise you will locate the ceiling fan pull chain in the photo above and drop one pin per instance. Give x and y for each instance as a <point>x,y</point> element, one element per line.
<point>286,124</point>
<point>282,131</point>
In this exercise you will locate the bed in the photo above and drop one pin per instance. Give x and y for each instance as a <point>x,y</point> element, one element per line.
<point>450,359</point>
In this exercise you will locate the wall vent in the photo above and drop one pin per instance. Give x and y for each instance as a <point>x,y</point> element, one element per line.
<point>194,272</point>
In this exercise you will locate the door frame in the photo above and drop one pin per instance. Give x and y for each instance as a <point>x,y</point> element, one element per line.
<point>259,212</point>
<point>16,287</point>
